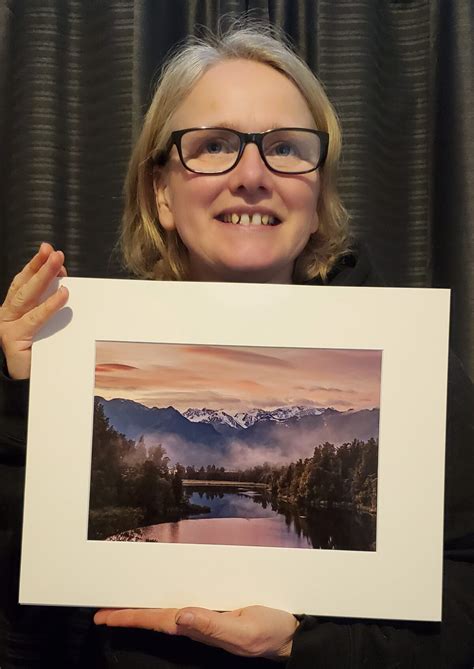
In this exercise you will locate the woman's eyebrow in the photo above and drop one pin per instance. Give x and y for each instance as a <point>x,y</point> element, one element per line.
<point>231,125</point>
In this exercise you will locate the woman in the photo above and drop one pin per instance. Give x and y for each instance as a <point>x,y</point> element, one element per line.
<point>233,178</point>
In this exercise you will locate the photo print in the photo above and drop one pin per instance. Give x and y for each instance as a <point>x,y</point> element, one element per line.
<point>235,445</point>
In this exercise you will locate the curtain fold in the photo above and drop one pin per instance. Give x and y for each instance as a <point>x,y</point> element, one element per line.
<point>76,77</point>
<point>453,180</point>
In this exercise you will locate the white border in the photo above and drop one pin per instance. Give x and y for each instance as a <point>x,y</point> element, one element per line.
<point>400,580</point>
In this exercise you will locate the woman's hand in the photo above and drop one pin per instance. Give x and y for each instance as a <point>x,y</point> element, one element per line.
<point>23,314</point>
<point>255,631</point>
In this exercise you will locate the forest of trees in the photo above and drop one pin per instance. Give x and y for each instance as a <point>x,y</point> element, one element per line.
<point>345,476</point>
<point>333,477</point>
<point>132,485</point>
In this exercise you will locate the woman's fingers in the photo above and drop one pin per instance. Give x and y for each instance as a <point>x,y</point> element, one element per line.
<point>158,620</point>
<point>25,294</point>
<point>25,310</point>
<point>17,338</point>
<point>32,321</point>
<point>29,270</point>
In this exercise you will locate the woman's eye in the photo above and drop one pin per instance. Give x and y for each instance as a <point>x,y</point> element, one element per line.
<point>214,147</point>
<point>284,149</point>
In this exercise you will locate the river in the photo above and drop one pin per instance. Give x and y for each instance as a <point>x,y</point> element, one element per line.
<point>241,515</point>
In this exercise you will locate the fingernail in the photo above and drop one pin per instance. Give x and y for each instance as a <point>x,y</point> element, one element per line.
<point>185,618</point>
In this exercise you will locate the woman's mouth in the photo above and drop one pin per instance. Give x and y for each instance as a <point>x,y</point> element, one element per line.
<point>248,219</point>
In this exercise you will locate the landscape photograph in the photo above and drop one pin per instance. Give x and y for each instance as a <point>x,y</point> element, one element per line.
<point>235,445</point>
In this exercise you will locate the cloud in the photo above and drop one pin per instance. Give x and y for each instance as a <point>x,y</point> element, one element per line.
<point>238,378</point>
<point>238,355</point>
<point>329,389</point>
<point>113,366</point>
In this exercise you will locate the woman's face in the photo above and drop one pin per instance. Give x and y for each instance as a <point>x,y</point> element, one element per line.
<point>250,97</point>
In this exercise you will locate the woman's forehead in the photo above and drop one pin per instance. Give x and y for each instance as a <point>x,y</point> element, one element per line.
<point>245,95</point>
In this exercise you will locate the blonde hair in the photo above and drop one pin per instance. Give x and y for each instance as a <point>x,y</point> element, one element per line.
<point>149,251</point>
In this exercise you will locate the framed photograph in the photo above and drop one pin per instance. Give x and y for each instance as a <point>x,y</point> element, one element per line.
<point>222,445</point>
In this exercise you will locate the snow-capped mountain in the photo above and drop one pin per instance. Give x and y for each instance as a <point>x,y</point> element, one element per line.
<point>245,419</point>
<point>248,418</point>
<point>284,413</point>
<point>134,419</point>
<point>211,416</point>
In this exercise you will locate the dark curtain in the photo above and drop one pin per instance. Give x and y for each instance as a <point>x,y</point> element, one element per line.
<point>76,76</point>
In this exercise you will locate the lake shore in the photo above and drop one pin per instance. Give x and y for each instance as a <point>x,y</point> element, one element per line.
<point>195,483</point>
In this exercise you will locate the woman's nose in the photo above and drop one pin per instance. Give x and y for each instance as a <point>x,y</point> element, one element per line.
<point>251,173</point>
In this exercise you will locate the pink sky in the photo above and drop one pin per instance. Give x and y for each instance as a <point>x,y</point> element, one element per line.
<point>237,378</point>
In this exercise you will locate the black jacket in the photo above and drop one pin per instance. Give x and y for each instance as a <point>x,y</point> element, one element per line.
<point>50,637</point>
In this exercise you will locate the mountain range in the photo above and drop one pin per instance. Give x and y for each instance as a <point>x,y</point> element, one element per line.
<point>208,436</point>
<point>248,418</point>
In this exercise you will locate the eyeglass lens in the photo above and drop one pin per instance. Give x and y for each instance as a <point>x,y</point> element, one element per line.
<point>213,150</point>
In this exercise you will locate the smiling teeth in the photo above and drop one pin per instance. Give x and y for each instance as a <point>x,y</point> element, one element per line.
<point>247,219</point>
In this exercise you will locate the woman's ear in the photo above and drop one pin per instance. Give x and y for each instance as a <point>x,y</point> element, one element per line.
<point>163,199</point>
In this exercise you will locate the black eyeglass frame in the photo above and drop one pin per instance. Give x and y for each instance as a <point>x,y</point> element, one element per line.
<point>245,138</point>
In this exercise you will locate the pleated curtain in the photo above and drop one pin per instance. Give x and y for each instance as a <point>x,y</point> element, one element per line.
<point>76,77</point>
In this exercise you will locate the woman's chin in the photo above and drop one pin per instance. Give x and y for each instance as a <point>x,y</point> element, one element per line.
<point>249,265</point>
<point>254,273</point>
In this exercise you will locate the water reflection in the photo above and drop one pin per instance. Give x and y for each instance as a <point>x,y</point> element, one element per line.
<point>322,528</point>
<point>247,517</point>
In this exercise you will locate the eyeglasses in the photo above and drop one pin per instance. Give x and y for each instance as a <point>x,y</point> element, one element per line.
<point>218,150</point>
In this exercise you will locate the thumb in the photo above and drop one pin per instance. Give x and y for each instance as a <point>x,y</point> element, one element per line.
<point>220,629</point>
<point>198,620</point>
